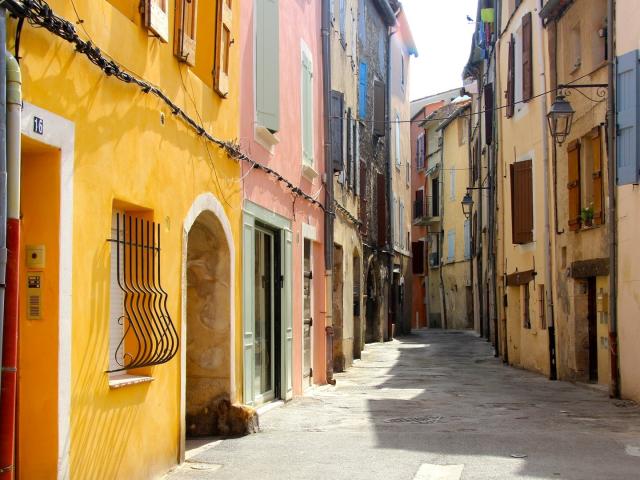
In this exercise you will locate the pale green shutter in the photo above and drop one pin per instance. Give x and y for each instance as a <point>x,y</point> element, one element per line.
<point>287,316</point>
<point>307,110</point>
<point>248,306</point>
<point>267,64</point>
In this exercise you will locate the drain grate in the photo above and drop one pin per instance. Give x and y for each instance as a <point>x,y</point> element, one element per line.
<point>428,420</point>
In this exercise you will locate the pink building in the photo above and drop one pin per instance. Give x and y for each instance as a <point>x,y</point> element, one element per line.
<point>283,335</point>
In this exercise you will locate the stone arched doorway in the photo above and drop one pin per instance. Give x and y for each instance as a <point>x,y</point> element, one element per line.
<point>371,307</point>
<point>357,303</point>
<point>207,318</point>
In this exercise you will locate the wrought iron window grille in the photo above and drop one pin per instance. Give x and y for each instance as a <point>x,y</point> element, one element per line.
<point>148,334</point>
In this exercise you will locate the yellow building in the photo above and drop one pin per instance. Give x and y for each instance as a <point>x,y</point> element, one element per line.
<point>161,296</point>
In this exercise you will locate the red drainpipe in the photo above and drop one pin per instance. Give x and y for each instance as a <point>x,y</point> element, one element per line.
<point>9,391</point>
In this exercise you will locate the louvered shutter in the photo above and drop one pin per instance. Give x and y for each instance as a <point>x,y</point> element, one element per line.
<point>488,113</point>
<point>363,198</point>
<point>573,184</point>
<point>224,21</point>
<point>527,58</point>
<point>185,31</point>
<point>307,110</point>
<point>336,130</point>
<point>417,257</point>
<point>522,202</point>
<point>267,64</point>
<point>627,85</point>
<point>156,18</point>
<point>382,209</point>
<point>356,141</point>
<point>379,108</point>
<point>511,78</point>
<point>362,90</point>
<point>349,152</point>
<point>596,151</point>
<point>467,239</point>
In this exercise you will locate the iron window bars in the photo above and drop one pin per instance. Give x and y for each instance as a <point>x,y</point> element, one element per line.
<point>148,334</point>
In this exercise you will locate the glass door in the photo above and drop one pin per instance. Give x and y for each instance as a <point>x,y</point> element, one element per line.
<point>264,316</point>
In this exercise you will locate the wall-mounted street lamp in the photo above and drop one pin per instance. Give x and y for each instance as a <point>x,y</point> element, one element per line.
<point>467,205</point>
<point>560,117</point>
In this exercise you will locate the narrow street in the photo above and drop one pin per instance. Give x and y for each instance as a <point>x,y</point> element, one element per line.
<point>429,400</point>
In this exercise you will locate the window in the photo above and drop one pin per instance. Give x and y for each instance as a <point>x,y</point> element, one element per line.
<point>185,31</point>
<point>379,106</point>
<point>627,139</point>
<point>223,44</point>
<point>467,240</point>
<point>156,18</point>
<point>417,257</point>
<point>307,107</point>
<point>542,307</point>
<point>267,65</point>
<point>451,245</point>
<point>575,49</point>
<point>336,126</point>
<point>408,171</point>
<point>401,235</point>
<point>463,130</point>
<point>521,202</point>
<point>584,179</point>
<point>382,209</point>
<point>356,164</point>
<point>397,128</point>
<point>527,58</point>
<point>520,67</point>
<point>420,151</point>
<point>362,90</point>
<point>141,332</point>
<point>343,17</point>
<point>452,185</point>
<point>526,314</point>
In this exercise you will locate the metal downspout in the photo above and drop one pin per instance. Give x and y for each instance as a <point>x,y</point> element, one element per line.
<point>614,386</point>
<point>443,310</point>
<point>3,174</point>
<point>10,337</point>
<point>390,33</point>
<point>329,213</point>
<point>548,277</point>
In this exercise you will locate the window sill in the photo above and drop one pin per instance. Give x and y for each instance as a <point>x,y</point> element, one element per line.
<point>589,227</point>
<point>265,138</point>
<point>309,172</point>
<point>124,380</point>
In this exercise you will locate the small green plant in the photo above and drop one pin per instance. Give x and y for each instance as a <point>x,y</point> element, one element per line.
<point>586,214</point>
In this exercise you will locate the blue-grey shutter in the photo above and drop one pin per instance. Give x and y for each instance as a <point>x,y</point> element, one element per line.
<point>467,239</point>
<point>362,90</point>
<point>337,100</point>
<point>627,118</point>
<point>451,247</point>
<point>267,64</point>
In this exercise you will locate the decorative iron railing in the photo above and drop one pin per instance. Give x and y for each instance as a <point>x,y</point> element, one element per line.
<point>148,334</point>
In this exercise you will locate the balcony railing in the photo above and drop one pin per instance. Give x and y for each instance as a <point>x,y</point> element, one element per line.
<point>425,210</point>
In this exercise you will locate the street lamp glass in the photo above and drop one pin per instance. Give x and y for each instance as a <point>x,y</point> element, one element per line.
<point>467,205</point>
<point>560,118</point>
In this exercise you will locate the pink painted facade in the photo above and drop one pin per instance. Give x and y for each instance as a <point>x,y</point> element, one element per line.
<point>299,30</point>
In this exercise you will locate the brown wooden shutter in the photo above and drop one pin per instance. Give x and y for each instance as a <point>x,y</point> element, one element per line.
<point>336,130</point>
<point>381,193</point>
<point>511,78</point>
<point>527,58</point>
<point>417,257</point>
<point>522,202</point>
<point>184,41</point>
<point>573,184</point>
<point>224,20</point>
<point>156,18</point>
<point>379,107</point>
<point>596,151</point>
<point>488,113</point>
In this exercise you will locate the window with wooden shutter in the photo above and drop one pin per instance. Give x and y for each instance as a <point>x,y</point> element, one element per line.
<point>224,19</point>
<point>573,184</point>
<point>356,147</point>
<point>267,64</point>
<point>379,108</point>
<point>596,154</point>
<point>467,239</point>
<point>488,113</point>
<point>156,18</point>
<point>348,150</point>
<point>451,245</point>
<point>627,141</point>
<point>337,101</point>
<point>522,202</point>
<point>417,257</point>
<point>381,194</point>
<point>511,78</point>
<point>527,58</point>
<point>307,108</point>
<point>185,31</point>
<point>363,198</point>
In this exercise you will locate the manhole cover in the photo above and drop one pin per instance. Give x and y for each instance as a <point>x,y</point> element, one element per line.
<point>429,419</point>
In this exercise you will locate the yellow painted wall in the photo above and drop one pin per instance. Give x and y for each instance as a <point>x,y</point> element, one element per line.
<point>123,151</point>
<point>38,338</point>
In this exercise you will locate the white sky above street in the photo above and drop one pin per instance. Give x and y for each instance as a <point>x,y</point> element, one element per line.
<point>443,37</point>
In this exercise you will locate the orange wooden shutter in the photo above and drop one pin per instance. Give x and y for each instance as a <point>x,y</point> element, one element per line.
<point>573,184</point>
<point>223,43</point>
<point>527,58</point>
<point>156,18</point>
<point>185,31</point>
<point>596,150</point>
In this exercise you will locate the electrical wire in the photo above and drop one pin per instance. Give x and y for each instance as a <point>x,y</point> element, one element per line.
<point>40,15</point>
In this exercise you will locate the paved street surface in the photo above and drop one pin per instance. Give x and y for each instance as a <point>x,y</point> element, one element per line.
<point>434,405</point>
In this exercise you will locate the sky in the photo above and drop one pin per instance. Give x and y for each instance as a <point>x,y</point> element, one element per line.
<point>443,37</point>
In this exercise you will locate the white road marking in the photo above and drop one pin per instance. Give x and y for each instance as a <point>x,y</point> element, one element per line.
<point>429,471</point>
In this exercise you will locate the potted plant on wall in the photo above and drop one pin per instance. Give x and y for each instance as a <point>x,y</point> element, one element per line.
<point>586,215</point>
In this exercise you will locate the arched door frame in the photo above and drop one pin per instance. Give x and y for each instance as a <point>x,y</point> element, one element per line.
<point>205,202</point>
